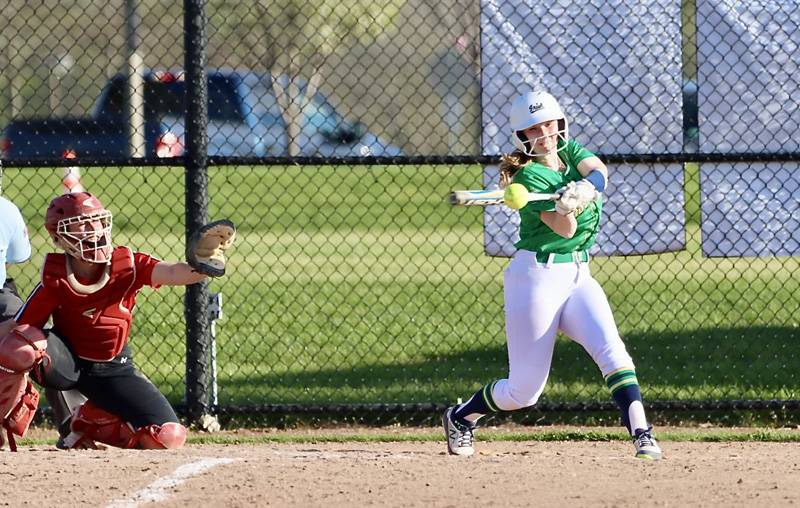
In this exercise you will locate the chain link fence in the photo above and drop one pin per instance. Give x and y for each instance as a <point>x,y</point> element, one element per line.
<point>335,132</point>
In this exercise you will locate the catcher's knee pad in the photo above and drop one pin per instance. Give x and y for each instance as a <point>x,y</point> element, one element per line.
<point>166,436</point>
<point>20,351</point>
<point>90,423</point>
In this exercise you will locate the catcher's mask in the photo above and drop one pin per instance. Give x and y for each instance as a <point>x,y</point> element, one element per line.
<point>79,224</point>
<point>533,108</point>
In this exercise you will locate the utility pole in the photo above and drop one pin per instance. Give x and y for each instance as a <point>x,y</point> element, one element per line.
<point>135,82</point>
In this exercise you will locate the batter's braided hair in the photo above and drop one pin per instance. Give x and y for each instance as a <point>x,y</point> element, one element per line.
<point>510,164</point>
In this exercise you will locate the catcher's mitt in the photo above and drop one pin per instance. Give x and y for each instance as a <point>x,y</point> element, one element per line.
<point>205,251</point>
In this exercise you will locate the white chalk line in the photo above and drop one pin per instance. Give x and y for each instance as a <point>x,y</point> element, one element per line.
<point>319,454</point>
<point>160,489</point>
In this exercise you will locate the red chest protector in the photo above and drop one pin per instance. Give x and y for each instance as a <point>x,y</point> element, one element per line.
<point>95,319</point>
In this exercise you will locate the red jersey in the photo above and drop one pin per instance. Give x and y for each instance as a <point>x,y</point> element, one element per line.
<point>94,319</point>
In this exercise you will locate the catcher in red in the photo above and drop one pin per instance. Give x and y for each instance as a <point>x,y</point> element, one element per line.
<point>90,292</point>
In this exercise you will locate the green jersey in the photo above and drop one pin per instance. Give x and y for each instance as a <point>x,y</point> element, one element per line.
<point>534,234</point>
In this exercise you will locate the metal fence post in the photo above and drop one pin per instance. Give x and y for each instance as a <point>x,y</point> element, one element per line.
<point>214,314</point>
<point>196,177</point>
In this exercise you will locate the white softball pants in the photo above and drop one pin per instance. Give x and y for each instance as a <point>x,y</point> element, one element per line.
<point>540,300</point>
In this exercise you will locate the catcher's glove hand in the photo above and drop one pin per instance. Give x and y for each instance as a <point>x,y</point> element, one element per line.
<point>205,251</point>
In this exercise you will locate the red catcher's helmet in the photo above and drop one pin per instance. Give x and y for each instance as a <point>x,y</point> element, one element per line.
<point>82,224</point>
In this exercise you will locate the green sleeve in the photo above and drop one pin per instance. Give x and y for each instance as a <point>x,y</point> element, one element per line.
<point>536,178</point>
<point>574,153</point>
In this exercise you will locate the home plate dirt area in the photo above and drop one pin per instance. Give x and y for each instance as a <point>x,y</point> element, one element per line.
<point>405,473</point>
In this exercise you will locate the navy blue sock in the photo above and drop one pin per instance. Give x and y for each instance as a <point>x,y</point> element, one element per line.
<point>480,404</point>
<point>625,391</point>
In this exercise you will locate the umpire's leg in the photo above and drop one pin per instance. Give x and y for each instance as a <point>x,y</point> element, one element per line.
<point>10,302</point>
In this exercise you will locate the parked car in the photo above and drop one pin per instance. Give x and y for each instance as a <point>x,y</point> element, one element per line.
<point>244,120</point>
<point>50,138</point>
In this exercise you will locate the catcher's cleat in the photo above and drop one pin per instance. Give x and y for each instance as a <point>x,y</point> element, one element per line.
<point>459,435</point>
<point>77,441</point>
<point>646,445</point>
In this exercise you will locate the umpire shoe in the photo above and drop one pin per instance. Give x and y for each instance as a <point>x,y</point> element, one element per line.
<point>646,445</point>
<point>459,435</point>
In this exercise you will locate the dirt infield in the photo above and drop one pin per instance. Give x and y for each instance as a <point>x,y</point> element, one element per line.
<point>348,474</point>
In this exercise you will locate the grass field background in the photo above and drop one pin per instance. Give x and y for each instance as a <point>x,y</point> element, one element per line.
<point>361,285</point>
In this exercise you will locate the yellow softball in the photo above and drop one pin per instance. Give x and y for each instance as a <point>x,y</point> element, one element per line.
<point>515,196</point>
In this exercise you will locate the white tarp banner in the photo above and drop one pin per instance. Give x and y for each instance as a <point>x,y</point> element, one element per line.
<point>748,87</point>
<point>643,213</point>
<point>750,209</point>
<point>616,71</point>
<point>748,73</point>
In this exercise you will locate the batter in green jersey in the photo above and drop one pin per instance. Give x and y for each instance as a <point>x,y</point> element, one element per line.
<point>548,286</point>
<point>534,234</point>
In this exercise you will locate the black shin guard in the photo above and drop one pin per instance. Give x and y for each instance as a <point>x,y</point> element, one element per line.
<point>63,404</point>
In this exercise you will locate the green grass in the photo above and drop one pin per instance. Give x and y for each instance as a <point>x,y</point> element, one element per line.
<point>361,285</point>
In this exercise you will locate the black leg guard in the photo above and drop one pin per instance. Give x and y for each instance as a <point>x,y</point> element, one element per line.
<point>63,404</point>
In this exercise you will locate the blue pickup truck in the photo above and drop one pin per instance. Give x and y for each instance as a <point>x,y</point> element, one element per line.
<point>244,120</point>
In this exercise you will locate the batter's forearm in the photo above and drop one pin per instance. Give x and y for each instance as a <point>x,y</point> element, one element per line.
<point>595,172</point>
<point>562,225</point>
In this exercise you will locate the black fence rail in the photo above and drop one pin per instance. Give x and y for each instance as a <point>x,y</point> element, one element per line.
<point>332,137</point>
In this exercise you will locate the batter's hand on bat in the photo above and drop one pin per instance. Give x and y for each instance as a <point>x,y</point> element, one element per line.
<point>564,208</point>
<point>574,196</point>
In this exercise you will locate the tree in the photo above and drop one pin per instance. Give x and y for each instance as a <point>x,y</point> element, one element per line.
<point>295,37</point>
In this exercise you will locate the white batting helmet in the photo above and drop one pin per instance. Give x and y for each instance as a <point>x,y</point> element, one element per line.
<point>531,108</point>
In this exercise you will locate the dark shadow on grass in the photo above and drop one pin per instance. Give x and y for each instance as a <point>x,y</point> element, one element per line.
<point>707,364</point>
